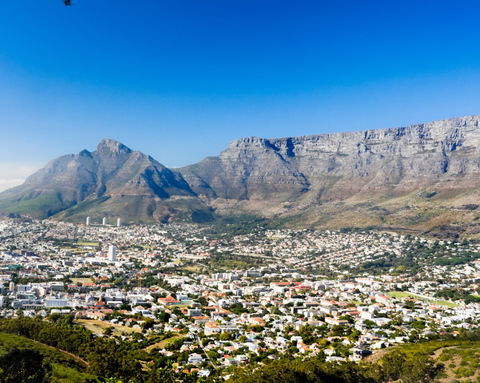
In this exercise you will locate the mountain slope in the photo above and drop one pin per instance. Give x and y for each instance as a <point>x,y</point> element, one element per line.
<point>111,181</point>
<point>424,177</point>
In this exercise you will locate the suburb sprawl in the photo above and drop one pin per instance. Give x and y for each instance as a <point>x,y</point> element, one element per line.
<point>206,302</point>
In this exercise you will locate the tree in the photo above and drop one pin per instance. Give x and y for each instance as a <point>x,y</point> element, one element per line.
<point>296,371</point>
<point>162,375</point>
<point>163,317</point>
<point>26,366</point>
<point>420,369</point>
<point>225,336</point>
<point>369,323</point>
<point>393,365</point>
<point>148,324</point>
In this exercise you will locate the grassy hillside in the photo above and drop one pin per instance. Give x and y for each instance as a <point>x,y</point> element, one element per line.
<point>65,369</point>
<point>462,363</point>
<point>460,359</point>
<point>40,205</point>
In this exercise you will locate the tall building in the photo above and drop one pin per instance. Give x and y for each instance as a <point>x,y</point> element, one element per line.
<point>104,221</point>
<point>119,222</point>
<point>112,253</point>
<point>88,221</point>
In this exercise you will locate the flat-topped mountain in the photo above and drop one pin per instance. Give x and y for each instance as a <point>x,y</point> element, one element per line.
<point>423,177</point>
<point>343,164</point>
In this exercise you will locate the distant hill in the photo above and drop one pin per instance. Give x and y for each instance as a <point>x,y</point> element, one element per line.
<point>423,178</point>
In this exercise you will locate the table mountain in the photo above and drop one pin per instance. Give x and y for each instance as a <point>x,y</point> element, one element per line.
<point>424,177</point>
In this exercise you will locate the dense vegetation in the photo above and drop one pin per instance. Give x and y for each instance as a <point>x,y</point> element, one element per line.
<point>61,347</point>
<point>457,294</point>
<point>26,366</point>
<point>101,357</point>
<point>428,361</point>
<point>409,368</point>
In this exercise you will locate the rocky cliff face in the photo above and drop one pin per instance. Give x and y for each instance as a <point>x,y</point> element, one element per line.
<point>423,177</point>
<point>372,175</point>
<point>401,158</point>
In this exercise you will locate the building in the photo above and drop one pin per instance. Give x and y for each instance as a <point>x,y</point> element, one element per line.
<point>55,302</point>
<point>112,253</point>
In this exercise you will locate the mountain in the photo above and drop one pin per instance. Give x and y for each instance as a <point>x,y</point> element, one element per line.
<point>112,181</point>
<point>422,178</point>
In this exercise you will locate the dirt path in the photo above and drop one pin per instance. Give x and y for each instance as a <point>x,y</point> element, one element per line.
<point>75,357</point>
<point>439,351</point>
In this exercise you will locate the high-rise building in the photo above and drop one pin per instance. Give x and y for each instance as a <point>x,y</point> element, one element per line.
<point>119,222</point>
<point>112,253</point>
<point>88,221</point>
<point>104,221</point>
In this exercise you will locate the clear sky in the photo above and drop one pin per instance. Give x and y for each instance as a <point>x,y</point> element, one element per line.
<point>179,79</point>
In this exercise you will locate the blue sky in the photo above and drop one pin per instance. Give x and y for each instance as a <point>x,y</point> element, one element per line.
<point>179,79</point>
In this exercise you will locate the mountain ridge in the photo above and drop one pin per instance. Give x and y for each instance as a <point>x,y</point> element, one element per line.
<point>419,178</point>
<point>362,178</point>
<point>285,148</point>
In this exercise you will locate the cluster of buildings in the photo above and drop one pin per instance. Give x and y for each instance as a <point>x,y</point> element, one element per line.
<point>223,300</point>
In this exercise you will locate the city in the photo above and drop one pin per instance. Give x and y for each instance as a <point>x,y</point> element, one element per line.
<point>239,191</point>
<point>210,301</point>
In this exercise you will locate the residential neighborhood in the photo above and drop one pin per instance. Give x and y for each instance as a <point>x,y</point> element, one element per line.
<point>211,301</point>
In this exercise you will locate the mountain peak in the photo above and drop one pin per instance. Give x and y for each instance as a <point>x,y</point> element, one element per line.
<point>110,145</point>
<point>423,177</point>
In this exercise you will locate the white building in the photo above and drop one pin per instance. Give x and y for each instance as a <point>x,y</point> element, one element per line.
<point>55,302</point>
<point>112,253</point>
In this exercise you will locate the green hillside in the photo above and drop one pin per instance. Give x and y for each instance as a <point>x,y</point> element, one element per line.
<point>459,359</point>
<point>64,368</point>
<point>34,205</point>
<point>446,361</point>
